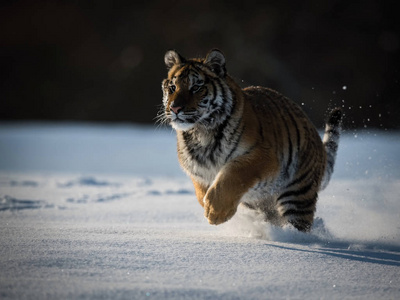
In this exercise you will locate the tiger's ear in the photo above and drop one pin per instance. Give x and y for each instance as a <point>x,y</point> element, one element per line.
<point>215,59</point>
<point>173,58</point>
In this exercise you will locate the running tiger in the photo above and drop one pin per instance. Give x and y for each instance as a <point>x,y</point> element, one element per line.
<point>249,146</point>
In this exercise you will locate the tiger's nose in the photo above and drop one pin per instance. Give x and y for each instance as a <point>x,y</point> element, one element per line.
<point>176,109</point>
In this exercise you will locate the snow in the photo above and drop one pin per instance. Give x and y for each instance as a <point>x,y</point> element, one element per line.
<point>91,211</point>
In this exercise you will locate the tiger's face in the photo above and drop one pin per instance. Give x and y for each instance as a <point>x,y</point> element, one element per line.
<point>195,92</point>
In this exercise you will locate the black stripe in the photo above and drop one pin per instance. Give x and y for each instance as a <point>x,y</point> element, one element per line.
<point>299,179</point>
<point>212,103</point>
<point>289,162</point>
<point>234,102</point>
<point>237,141</point>
<point>187,137</point>
<point>222,89</point>
<point>196,156</point>
<point>214,91</point>
<point>218,110</point>
<point>196,174</point>
<point>218,137</point>
<point>297,129</point>
<point>278,135</point>
<point>310,157</point>
<point>260,128</point>
<point>301,204</point>
<point>193,148</point>
<point>295,212</point>
<point>248,205</point>
<point>261,184</point>
<point>204,104</point>
<point>307,167</point>
<point>300,192</point>
<point>221,130</point>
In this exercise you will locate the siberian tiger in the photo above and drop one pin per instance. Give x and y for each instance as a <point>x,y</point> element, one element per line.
<point>249,146</point>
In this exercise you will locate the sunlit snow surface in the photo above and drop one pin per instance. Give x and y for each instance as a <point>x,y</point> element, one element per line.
<point>104,212</point>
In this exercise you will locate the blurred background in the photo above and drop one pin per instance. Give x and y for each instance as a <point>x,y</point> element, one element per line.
<point>102,61</point>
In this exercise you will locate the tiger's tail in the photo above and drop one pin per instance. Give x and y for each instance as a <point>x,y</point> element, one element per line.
<point>331,142</point>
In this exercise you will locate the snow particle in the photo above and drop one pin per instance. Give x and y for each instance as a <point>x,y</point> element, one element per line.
<point>344,87</point>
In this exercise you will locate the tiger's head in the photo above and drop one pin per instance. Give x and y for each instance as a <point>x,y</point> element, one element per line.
<point>195,92</point>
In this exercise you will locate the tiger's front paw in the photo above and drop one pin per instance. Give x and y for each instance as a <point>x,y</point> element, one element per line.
<point>216,210</point>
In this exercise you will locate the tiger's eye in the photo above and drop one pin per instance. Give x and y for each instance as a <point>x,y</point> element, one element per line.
<point>172,89</point>
<point>195,88</point>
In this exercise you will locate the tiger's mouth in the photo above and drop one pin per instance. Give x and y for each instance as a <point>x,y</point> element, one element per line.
<point>183,121</point>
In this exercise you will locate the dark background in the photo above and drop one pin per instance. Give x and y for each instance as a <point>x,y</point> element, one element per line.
<point>103,60</point>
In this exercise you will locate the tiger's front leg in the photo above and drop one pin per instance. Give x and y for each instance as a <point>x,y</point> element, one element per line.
<point>220,203</point>
<point>232,182</point>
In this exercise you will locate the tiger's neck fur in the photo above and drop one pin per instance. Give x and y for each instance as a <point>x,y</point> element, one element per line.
<point>204,149</point>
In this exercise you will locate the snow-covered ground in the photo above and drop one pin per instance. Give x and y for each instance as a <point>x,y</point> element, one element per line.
<point>104,212</point>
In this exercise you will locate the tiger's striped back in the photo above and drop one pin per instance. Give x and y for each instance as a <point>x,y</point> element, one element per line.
<point>250,146</point>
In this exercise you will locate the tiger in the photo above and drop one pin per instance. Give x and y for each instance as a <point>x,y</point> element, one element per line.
<point>252,147</point>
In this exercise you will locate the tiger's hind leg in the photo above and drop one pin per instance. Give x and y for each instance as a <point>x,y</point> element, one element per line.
<point>267,208</point>
<point>298,208</point>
